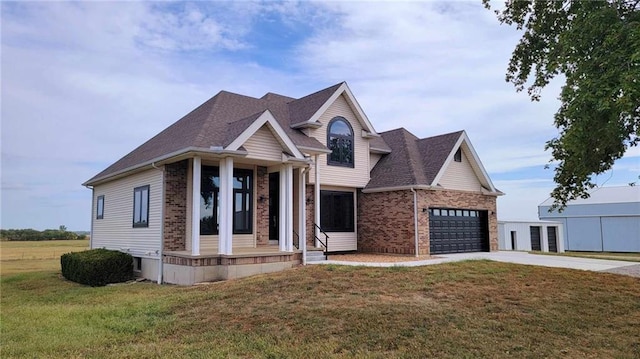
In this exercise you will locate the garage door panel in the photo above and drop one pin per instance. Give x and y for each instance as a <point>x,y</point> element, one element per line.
<point>622,234</point>
<point>457,232</point>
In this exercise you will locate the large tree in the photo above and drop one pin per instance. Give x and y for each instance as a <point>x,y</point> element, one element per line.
<point>595,45</point>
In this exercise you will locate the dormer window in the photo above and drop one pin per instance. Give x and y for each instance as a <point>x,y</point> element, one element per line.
<point>340,142</point>
<point>458,156</point>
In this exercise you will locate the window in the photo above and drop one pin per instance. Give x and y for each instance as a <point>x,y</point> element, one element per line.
<point>141,206</point>
<point>458,156</point>
<point>210,201</point>
<point>209,197</point>
<point>340,142</point>
<point>336,211</point>
<point>137,264</point>
<point>100,207</point>
<point>242,203</point>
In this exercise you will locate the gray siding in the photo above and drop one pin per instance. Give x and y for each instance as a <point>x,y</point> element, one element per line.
<point>584,234</point>
<point>609,227</point>
<point>622,233</point>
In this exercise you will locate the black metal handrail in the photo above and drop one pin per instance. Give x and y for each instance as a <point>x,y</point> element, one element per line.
<point>326,240</point>
<point>296,240</point>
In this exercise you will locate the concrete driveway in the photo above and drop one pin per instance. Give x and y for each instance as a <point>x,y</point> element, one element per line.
<point>598,265</point>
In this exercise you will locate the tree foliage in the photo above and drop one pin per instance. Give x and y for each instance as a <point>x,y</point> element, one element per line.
<point>596,46</point>
<point>34,235</point>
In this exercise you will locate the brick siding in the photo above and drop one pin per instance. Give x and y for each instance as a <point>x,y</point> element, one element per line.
<point>309,196</point>
<point>386,219</point>
<point>175,206</point>
<point>262,208</point>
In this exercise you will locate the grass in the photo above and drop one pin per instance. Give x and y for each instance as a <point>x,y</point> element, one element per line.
<point>454,310</point>
<point>629,257</point>
<point>20,256</point>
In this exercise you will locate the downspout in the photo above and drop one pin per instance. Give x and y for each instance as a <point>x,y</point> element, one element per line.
<point>415,219</point>
<point>92,211</point>
<point>160,252</point>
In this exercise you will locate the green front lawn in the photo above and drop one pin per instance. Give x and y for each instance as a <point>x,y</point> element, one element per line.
<point>456,310</point>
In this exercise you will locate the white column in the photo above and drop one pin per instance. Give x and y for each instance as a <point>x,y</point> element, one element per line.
<point>282,226</point>
<point>544,238</point>
<point>316,199</point>
<point>195,206</point>
<point>289,207</point>
<point>302,214</point>
<point>225,228</point>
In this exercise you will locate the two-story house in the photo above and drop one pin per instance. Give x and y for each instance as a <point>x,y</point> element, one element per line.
<point>245,185</point>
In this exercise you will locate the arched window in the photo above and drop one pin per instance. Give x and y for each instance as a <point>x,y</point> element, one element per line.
<point>340,142</point>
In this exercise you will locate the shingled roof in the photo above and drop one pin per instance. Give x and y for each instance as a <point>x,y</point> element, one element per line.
<point>219,120</point>
<point>412,161</point>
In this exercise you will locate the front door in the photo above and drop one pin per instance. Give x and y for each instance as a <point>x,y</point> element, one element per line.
<point>274,205</point>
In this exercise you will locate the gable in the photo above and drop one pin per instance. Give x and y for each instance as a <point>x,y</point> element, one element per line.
<point>461,175</point>
<point>343,92</point>
<point>263,145</point>
<point>358,176</point>
<point>473,162</point>
<point>265,119</point>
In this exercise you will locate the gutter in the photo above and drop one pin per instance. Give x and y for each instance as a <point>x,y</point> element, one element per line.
<point>415,219</point>
<point>160,250</point>
<point>213,150</point>
<point>397,188</point>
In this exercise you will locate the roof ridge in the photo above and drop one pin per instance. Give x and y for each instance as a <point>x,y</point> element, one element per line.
<point>415,159</point>
<point>324,89</point>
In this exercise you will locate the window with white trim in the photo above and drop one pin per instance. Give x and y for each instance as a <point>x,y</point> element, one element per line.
<point>340,142</point>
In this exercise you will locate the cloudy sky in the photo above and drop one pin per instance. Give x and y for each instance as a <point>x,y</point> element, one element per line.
<point>84,83</point>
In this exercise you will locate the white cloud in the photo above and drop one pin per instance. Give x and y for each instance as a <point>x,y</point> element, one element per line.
<point>84,83</point>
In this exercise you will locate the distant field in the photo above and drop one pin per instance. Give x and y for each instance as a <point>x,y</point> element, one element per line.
<point>28,256</point>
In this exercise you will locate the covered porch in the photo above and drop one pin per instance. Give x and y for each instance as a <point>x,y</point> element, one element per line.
<point>230,217</point>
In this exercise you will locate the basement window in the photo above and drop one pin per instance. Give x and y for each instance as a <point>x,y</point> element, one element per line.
<point>137,264</point>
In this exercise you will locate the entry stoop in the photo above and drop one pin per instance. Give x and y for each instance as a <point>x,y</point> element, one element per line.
<point>316,255</point>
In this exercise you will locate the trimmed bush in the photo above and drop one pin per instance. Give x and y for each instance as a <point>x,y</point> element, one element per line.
<point>97,267</point>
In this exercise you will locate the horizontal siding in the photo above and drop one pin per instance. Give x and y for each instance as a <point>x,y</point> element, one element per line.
<point>460,176</point>
<point>208,243</point>
<point>115,230</point>
<point>337,175</point>
<point>373,160</point>
<point>342,241</point>
<point>263,145</point>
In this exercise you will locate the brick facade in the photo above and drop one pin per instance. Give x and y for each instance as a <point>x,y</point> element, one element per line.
<point>262,207</point>
<point>310,210</point>
<point>175,206</point>
<point>386,219</point>
<point>459,199</point>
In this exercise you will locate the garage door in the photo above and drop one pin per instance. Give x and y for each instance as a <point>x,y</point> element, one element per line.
<point>458,230</point>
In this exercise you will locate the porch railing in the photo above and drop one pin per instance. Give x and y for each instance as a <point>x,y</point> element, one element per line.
<point>296,240</point>
<point>324,243</point>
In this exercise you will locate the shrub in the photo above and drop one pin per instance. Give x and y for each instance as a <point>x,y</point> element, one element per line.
<point>97,267</point>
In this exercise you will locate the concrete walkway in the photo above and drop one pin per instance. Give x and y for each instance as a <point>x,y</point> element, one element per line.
<point>506,256</point>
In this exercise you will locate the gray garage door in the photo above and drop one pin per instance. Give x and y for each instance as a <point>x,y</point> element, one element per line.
<point>458,230</point>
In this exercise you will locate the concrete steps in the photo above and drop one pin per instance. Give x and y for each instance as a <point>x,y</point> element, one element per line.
<point>315,256</point>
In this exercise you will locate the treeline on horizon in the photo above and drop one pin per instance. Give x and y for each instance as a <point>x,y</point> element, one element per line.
<point>35,235</point>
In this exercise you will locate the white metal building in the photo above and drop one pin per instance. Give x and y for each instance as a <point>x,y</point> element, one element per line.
<point>542,236</point>
<point>607,221</point>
